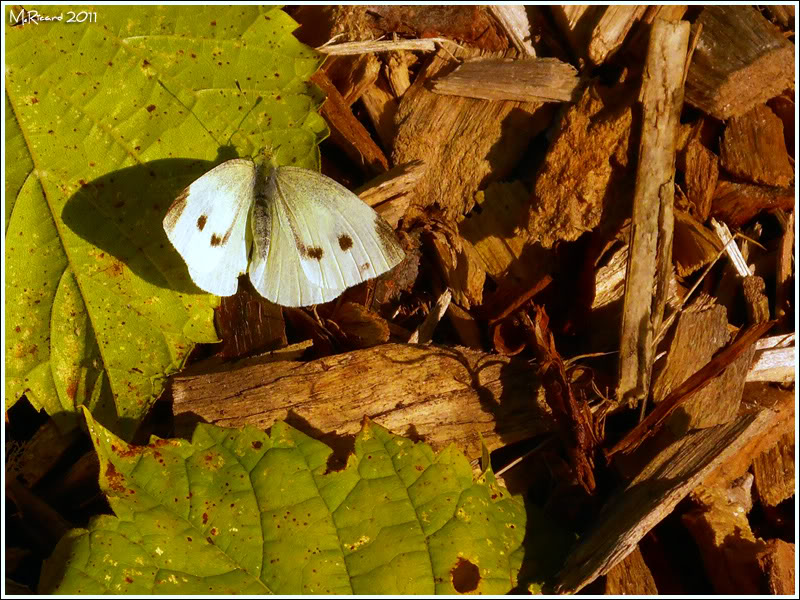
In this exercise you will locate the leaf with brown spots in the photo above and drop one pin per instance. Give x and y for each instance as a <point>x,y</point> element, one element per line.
<point>253,513</point>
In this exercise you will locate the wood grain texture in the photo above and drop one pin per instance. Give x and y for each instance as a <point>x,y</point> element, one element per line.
<point>444,395</point>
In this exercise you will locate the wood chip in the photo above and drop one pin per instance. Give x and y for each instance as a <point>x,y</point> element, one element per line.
<point>513,21</point>
<point>630,577</point>
<point>753,148</point>
<point>390,193</point>
<point>774,472</point>
<point>774,360</point>
<point>448,395</point>
<point>741,60</point>
<point>738,203</point>
<point>525,80</point>
<point>683,392</point>
<point>456,137</point>
<point>347,132</point>
<point>424,333</point>
<point>721,530</point>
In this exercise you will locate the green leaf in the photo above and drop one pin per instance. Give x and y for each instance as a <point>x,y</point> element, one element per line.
<point>241,511</point>
<point>106,122</point>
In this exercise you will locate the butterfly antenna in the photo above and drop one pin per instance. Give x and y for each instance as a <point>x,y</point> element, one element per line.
<point>248,113</point>
<point>182,103</point>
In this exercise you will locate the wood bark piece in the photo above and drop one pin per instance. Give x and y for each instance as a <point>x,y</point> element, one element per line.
<point>525,80</point>
<point>737,203</point>
<point>741,60</point>
<point>459,265</point>
<point>381,106</point>
<point>722,532</point>
<point>650,259</point>
<point>463,141</point>
<point>753,148</point>
<point>654,493</point>
<point>630,577</point>
<point>444,395</point>
<point>347,132</point>
<point>774,472</point>
<point>248,322</point>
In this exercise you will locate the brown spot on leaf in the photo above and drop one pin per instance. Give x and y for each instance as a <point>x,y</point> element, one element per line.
<point>151,108</point>
<point>115,479</point>
<point>205,518</point>
<point>345,242</point>
<point>465,576</point>
<point>257,445</point>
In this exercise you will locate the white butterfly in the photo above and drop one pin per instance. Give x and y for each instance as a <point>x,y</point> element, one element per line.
<point>309,238</point>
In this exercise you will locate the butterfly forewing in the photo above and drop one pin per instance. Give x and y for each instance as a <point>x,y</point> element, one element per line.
<point>207,224</point>
<point>339,240</point>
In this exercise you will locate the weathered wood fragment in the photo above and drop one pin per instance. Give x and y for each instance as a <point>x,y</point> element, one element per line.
<point>524,79</point>
<point>650,258</point>
<point>444,395</point>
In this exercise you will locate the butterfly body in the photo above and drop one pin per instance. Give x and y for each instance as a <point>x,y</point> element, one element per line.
<point>301,237</point>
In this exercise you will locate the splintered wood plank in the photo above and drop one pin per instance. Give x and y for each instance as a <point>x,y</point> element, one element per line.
<point>753,148</point>
<point>446,395</point>
<point>526,80</point>
<point>741,60</point>
<point>463,141</point>
<point>655,492</point>
<point>650,259</point>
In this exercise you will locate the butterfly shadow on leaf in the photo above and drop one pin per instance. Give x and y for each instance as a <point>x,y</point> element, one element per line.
<point>120,216</point>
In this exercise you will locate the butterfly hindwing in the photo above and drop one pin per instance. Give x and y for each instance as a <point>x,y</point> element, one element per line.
<point>207,224</point>
<point>339,240</point>
<point>275,270</point>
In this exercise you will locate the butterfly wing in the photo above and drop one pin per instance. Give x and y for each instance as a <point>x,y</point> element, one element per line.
<point>207,224</point>
<point>339,239</point>
<point>275,269</point>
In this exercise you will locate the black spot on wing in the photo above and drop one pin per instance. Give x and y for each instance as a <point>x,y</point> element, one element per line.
<point>315,252</point>
<point>201,222</point>
<point>345,242</point>
<point>364,268</point>
<point>215,240</point>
